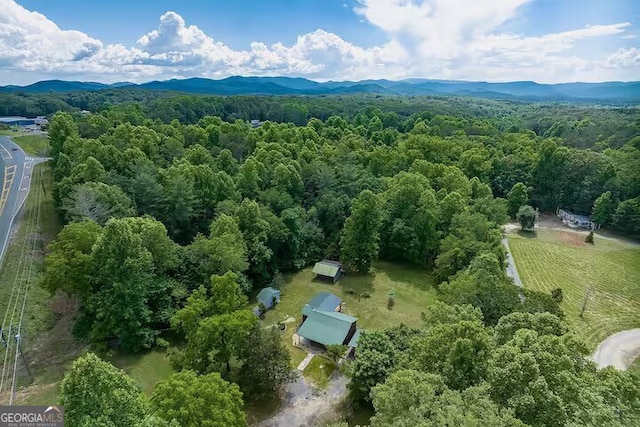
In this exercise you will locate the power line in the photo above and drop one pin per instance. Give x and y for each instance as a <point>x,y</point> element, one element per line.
<point>20,286</point>
<point>24,300</point>
<point>17,284</point>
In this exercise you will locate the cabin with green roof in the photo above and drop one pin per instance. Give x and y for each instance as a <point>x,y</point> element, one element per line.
<point>328,270</point>
<point>328,327</point>
<point>324,324</point>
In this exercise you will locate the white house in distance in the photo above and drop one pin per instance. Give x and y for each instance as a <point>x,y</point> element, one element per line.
<point>576,221</point>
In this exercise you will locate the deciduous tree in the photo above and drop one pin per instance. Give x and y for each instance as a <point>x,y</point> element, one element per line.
<point>527,217</point>
<point>361,233</point>
<point>518,196</point>
<point>199,401</point>
<point>96,393</point>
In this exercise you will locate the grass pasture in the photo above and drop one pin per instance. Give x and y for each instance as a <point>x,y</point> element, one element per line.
<point>33,145</point>
<point>611,268</point>
<point>413,288</point>
<point>146,368</point>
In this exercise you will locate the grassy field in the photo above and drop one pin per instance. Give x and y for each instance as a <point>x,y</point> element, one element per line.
<point>11,132</point>
<point>413,288</point>
<point>635,366</point>
<point>147,369</point>
<point>33,145</point>
<point>550,259</point>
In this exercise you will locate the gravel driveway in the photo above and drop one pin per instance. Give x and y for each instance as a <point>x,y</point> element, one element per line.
<point>303,405</point>
<point>619,350</point>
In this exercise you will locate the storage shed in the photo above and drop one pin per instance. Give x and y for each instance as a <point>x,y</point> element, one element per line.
<point>328,270</point>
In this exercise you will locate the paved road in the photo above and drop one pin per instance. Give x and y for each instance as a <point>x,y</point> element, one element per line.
<point>15,175</point>
<point>511,265</point>
<point>618,350</point>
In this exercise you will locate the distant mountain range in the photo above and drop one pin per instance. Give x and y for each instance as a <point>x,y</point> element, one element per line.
<point>619,92</point>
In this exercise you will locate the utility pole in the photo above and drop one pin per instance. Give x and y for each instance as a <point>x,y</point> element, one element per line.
<point>3,340</point>
<point>587,295</point>
<point>24,360</point>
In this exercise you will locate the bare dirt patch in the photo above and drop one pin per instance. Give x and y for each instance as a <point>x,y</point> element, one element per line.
<point>572,239</point>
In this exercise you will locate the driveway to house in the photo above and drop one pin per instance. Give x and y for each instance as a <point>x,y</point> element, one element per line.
<point>619,350</point>
<point>303,405</point>
<point>511,265</point>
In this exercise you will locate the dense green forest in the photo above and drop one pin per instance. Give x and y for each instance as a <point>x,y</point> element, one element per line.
<point>579,126</point>
<point>177,210</point>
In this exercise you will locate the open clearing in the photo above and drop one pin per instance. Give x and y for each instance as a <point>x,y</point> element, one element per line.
<point>549,259</point>
<point>413,288</point>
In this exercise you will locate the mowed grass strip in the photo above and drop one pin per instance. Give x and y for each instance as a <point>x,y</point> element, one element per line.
<point>414,292</point>
<point>610,268</point>
<point>19,255</point>
<point>33,145</point>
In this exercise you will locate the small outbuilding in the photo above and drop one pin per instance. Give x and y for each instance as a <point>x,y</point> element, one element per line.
<point>268,297</point>
<point>328,270</point>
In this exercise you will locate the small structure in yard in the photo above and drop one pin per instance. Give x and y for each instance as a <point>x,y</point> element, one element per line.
<point>328,270</point>
<point>267,298</point>
<point>576,221</point>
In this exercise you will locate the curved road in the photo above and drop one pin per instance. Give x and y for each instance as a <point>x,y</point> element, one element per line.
<point>15,175</point>
<point>619,350</point>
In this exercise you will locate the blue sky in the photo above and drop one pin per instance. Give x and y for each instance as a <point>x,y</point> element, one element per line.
<point>494,40</point>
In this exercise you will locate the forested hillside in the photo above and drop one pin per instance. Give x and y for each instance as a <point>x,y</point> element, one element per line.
<point>578,125</point>
<point>177,209</point>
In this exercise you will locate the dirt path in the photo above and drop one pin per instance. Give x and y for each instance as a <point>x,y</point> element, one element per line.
<point>303,405</point>
<point>619,350</point>
<point>511,265</point>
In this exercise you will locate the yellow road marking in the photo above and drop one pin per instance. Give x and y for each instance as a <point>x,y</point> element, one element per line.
<point>9,174</point>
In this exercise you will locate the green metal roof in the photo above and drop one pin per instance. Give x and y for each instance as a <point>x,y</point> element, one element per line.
<point>266,296</point>
<point>326,327</point>
<point>327,268</point>
<point>324,301</point>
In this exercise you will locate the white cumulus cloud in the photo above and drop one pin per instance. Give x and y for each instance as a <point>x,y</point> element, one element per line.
<point>626,58</point>
<point>457,39</point>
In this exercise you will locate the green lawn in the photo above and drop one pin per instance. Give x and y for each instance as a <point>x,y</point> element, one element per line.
<point>551,259</point>
<point>319,371</point>
<point>147,369</point>
<point>635,366</point>
<point>33,145</point>
<point>413,287</point>
<point>11,132</point>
